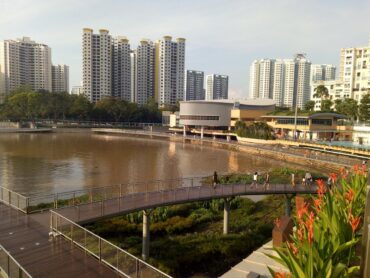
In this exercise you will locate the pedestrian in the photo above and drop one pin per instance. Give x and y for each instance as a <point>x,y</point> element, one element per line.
<point>303,181</point>
<point>215,179</point>
<point>255,179</point>
<point>293,180</point>
<point>329,183</point>
<point>308,178</point>
<point>267,181</point>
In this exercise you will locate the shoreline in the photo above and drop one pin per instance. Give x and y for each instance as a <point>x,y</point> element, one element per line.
<point>283,153</point>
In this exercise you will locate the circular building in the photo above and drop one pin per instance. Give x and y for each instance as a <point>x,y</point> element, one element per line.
<point>223,113</point>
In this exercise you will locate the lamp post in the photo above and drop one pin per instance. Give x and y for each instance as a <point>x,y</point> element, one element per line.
<point>295,121</point>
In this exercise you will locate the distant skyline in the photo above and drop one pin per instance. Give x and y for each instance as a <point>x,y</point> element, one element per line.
<point>222,37</point>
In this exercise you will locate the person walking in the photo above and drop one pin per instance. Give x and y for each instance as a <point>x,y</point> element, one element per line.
<point>215,179</point>
<point>308,178</point>
<point>255,179</point>
<point>267,181</point>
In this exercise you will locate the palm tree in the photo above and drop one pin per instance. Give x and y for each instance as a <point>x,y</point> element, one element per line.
<point>321,92</point>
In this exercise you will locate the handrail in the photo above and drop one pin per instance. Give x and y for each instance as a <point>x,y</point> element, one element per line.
<point>10,267</point>
<point>89,195</point>
<point>14,199</point>
<point>120,260</point>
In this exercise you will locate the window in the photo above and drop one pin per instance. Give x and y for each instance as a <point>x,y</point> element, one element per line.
<point>322,121</point>
<point>199,118</point>
<point>300,121</point>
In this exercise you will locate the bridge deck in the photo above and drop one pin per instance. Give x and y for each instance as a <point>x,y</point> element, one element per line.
<point>138,201</point>
<point>26,238</point>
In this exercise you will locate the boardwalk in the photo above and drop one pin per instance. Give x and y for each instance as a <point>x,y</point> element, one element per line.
<point>139,201</point>
<point>26,236</point>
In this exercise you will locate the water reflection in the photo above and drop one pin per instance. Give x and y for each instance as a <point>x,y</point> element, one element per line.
<point>32,163</point>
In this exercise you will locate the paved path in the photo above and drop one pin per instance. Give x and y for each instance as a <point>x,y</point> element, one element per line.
<point>26,238</point>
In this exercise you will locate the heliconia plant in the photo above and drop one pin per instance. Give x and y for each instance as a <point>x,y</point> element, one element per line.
<point>327,231</point>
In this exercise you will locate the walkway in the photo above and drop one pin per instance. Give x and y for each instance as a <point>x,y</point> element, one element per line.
<point>93,211</point>
<point>26,238</point>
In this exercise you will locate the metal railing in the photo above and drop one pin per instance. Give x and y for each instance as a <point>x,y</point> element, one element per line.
<point>14,199</point>
<point>9,267</point>
<point>36,203</point>
<point>113,256</point>
<point>89,212</point>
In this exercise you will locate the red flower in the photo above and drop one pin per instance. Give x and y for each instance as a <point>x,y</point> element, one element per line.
<point>349,195</point>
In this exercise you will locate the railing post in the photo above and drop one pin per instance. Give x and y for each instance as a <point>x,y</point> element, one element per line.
<point>91,196</point>
<point>120,190</point>
<point>74,198</point>
<point>10,197</point>
<point>99,249</point>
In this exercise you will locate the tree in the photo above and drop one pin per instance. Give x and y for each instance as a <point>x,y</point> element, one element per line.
<point>310,105</point>
<point>348,107</point>
<point>364,108</point>
<point>326,105</point>
<point>80,108</point>
<point>321,92</point>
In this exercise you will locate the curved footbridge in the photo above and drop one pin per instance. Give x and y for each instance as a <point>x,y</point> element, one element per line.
<point>43,233</point>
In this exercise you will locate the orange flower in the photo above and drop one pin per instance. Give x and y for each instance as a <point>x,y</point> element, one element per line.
<point>342,171</point>
<point>282,275</point>
<point>321,190</point>
<point>277,222</point>
<point>354,221</point>
<point>349,195</point>
<point>293,248</point>
<point>333,177</point>
<point>309,226</point>
<point>317,204</point>
<point>355,168</point>
<point>300,233</point>
<point>302,211</point>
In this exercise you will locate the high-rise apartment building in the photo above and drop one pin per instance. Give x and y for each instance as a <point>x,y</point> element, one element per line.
<point>96,64</point>
<point>169,70</point>
<point>322,72</point>
<point>60,78</point>
<point>142,70</point>
<point>355,71</point>
<point>24,62</point>
<point>217,87</point>
<point>121,68</point>
<point>286,81</point>
<point>195,85</point>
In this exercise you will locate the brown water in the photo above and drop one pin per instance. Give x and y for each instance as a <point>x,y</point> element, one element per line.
<point>55,162</point>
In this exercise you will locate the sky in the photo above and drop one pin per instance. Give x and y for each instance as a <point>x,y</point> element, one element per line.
<point>222,36</point>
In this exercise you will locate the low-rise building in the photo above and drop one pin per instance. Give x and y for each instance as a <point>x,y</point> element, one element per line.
<point>319,126</point>
<point>222,114</point>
